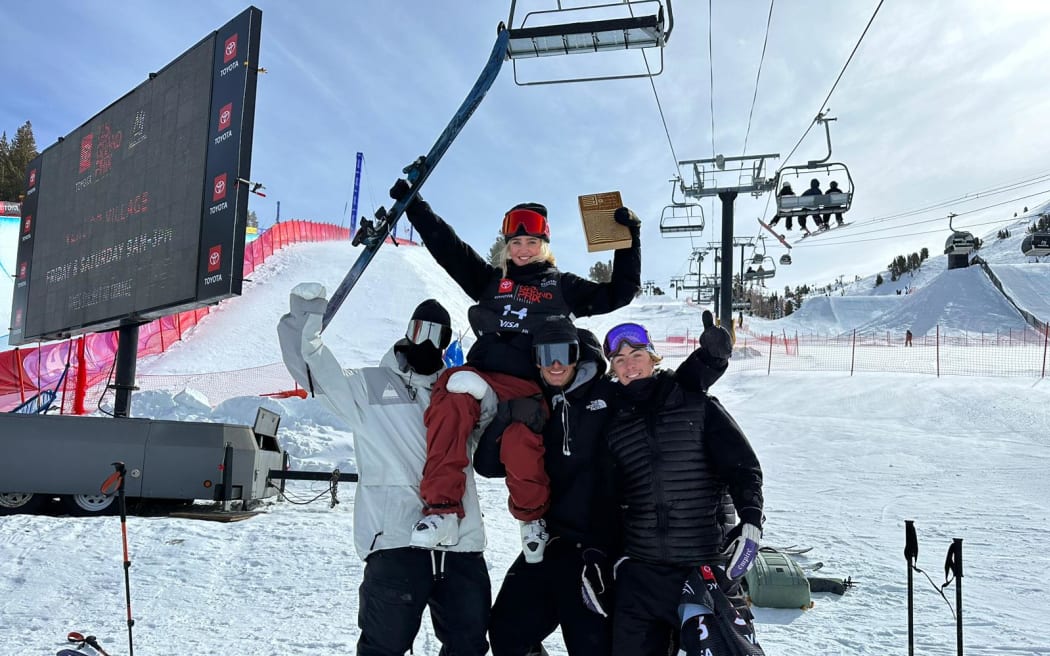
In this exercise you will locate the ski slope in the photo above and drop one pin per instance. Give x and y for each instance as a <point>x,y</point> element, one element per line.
<point>846,461</point>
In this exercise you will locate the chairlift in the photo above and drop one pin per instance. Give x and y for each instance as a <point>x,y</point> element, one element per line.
<point>765,270</point>
<point>704,295</point>
<point>1036,244</point>
<point>610,26</point>
<point>682,220</point>
<point>785,259</point>
<point>801,176</point>
<point>960,242</point>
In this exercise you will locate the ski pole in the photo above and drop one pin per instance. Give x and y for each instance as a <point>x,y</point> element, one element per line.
<point>953,564</point>
<point>116,481</point>
<point>911,553</point>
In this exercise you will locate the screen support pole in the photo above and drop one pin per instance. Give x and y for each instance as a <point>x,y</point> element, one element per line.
<point>124,374</point>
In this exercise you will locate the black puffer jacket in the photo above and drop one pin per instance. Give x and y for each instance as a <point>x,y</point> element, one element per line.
<point>674,451</point>
<point>510,308</point>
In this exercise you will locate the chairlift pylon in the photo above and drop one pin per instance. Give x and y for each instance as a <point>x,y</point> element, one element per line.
<point>603,27</point>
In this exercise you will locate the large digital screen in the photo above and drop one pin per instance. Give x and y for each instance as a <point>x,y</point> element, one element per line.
<point>138,213</point>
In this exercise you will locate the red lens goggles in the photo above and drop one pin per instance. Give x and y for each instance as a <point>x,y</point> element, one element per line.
<point>523,222</point>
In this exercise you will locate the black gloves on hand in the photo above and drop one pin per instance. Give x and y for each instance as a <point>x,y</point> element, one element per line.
<point>715,340</point>
<point>626,217</point>
<point>401,189</point>
<point>528,410</point>
<point>596,581</point>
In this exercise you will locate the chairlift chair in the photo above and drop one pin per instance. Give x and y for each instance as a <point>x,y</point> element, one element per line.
<point>766,270</point>
<point>799,177</point>
<point>960,242</point>
<point>682,220</point>
<point>604,27</point>
<point>785,259</point>
<point>1036,244</point>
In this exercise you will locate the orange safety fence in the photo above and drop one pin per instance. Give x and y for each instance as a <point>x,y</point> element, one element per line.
<point>25,372</point>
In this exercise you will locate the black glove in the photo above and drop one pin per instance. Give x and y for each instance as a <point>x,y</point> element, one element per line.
<point>528,410</point>
<point>401,189</point>
<point>626,217</point>
<point>596,581</point>
<point>716,340</point>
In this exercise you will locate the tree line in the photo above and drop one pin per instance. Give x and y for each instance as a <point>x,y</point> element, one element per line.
<point>15,155</point>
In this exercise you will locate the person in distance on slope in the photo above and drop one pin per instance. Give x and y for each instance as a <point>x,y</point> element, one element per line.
<point>384,406</point>
<point>675,451</point>
<point>573,586</point>
<point>513,300</point>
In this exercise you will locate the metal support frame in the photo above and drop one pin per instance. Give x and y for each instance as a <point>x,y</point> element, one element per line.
<point>589,36</point>
<point>750,179</point>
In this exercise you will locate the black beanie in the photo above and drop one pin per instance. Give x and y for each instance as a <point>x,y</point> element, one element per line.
<point>432,311</point>
<point>557,329</point>
<point>535,207</point>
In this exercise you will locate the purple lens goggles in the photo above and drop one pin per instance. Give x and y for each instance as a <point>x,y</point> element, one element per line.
<point>627,333</point>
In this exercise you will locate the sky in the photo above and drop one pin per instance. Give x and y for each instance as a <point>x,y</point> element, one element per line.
<point>962,456</point>
<point>940,104</point>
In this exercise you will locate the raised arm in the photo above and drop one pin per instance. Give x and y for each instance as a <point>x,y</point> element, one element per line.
<point>308,360</point>
<point>470,271</point>
<point>587,298</point>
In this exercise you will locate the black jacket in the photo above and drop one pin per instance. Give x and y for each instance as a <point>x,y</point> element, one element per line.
<point>674,452</point>
<point>508,308</point>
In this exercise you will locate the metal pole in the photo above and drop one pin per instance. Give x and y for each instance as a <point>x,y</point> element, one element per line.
<point>124,376</point>
<point>726,311</point>
<point>911,553</point>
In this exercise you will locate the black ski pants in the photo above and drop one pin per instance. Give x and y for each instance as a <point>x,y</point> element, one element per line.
<point>399,583</point>
<point>645,620</point>
<point>536,598</point>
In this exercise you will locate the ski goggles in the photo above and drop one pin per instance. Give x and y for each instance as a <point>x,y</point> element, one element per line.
<point>427,331</point>
<point>632,334</point>
<point>566,353</point>
<point>523,222</point>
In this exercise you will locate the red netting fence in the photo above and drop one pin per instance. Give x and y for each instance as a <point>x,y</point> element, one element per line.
<point>24,372</point>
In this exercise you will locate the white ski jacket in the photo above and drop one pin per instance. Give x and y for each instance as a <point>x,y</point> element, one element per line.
<point>384,406</point>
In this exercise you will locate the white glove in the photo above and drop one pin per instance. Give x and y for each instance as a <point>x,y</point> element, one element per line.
<point>743,550</point>
<point>467,382</point>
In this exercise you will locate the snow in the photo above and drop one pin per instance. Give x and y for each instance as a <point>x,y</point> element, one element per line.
<point>846,461</point>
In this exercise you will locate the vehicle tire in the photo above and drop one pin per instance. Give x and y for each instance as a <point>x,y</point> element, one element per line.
<point>15,503</point>
<point>87,505</point>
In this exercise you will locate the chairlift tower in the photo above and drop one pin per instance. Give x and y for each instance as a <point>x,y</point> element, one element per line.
<point>709,179</point>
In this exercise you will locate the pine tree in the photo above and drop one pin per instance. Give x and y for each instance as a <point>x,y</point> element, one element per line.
<point>495,250</point>
<point>14,158</point>
<point>878,280</point>
<point>601,271</point>
<point>253,220</point>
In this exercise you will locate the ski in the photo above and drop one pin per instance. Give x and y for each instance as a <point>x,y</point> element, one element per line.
<point>783,240</point>
<point>824,231</point>
<point>793,550</point>
<point>70,652</point>
<point>374,233</point>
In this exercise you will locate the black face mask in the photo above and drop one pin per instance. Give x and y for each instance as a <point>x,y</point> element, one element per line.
<point>422,358</point>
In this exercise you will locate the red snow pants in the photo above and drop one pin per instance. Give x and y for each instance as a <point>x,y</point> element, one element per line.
<point>450,419</point>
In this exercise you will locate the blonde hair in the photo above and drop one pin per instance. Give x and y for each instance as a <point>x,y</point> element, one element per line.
<point>545,255</point>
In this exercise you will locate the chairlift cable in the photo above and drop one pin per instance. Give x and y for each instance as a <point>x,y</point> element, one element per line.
<point>711,69</point>
<point>663,119</point>
<point>966,197</point>
<point>758,76</point>
<point>826,242</point>
<point>832,90</point>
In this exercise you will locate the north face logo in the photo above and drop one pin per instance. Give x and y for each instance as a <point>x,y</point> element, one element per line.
<point>597,404</point>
